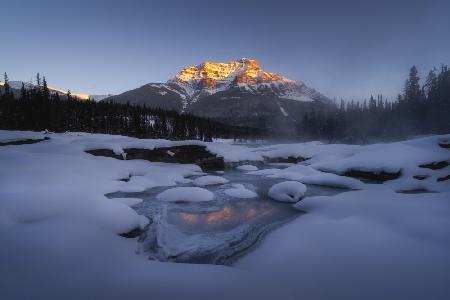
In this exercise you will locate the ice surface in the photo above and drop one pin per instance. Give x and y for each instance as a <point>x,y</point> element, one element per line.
<point>128,201</point>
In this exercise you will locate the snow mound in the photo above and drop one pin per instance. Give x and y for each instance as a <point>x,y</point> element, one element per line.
<point>209,180</point>
<point>288,191</point>
<point>239,191</point>
<point>186,194</point>
<point>247,168</point>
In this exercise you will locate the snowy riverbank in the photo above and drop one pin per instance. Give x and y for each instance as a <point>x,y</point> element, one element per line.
<point>377,240</point>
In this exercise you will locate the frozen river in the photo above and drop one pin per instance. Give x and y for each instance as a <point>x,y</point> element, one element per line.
<point>218,231</point>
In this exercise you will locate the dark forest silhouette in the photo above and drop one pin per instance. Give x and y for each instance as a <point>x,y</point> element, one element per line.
<point>418,110</point>
<point>38,108</point>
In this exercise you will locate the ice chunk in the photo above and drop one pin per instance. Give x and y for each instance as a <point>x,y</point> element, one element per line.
<point>288,191</point>
<point>247,168</point>
<point>209,180</point>
<point>188,194</point>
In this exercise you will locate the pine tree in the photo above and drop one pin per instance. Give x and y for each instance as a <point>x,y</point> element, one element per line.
<point>412,86</point>
<point>45,91</point>
<point>6,87</point>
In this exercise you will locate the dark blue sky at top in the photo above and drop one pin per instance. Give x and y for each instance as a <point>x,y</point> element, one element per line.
<point>344,49</point>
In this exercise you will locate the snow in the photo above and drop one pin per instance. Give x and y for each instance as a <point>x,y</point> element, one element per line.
<point>209,180</point>
<point>403,156</point>
<point>309,175</point>
<point>239,191</point>
<point>247,168</point>
<point>188,194</point>
<point>287,191</point>
<point>283,111</point>
<point>59,232</point>
<point>234,153</point>
<point>379,244</point>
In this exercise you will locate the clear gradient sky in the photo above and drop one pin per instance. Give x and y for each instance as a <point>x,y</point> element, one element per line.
<point>344,49</point>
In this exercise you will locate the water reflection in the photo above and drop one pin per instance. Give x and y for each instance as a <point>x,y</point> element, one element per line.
<point>230,215</point>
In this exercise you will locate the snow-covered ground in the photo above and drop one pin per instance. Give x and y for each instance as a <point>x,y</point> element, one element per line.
<point>59,232</point>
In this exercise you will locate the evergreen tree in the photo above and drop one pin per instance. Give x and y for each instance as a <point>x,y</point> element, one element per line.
<point>412,86</point>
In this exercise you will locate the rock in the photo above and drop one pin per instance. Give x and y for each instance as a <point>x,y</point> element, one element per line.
<point>443,178</point>
<point>289,159</point>
<point>105,153</point>
<point>24,142</point>
<point>445,145</point>
<point>186,154</point>
<point>372,175</point>
<point>136,232</point>
<point>437,165</point>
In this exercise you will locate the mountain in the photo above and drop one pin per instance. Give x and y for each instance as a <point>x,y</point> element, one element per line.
<point>238,92</point>
<point>16,86</point>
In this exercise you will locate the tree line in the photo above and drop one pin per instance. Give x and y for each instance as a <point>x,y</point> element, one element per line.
<point>419,109</point>
<point>37,108</point>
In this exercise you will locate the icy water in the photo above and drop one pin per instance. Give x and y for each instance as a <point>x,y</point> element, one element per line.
<point>215,232</point>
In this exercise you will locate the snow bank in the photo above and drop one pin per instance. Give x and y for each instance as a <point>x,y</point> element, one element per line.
<point>288,191</point>
<point>247,168</point>
<point>376,243</point>
<point>209,180</point>
<point>234,153</point>
<point>334,159</point>
<point>188,194</point>
<point>308,175</point>
<point>239,191</point>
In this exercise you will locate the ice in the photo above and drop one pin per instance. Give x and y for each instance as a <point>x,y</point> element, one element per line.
<point>239,191</point>
<point>128,201</point>
<point>247,168</point>
<point>186,194</point>
<point>287,191</point>
<point>209,180</point>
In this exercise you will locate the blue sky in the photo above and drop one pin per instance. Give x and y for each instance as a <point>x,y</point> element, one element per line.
<point>344,49</point>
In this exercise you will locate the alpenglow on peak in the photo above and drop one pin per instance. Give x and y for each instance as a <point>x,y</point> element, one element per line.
<point>243,71</point>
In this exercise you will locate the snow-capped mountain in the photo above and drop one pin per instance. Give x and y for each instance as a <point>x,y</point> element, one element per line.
<point>245,74</point>
<point>238,92</point>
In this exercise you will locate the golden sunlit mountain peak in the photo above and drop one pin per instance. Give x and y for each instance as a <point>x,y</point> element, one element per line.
<point>244,70</point>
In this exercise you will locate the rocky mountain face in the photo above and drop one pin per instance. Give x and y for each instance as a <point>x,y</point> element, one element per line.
<point>238,92</point>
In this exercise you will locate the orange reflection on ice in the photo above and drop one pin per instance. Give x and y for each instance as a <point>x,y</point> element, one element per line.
<point>218,216</point>
<point>189,218</point>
